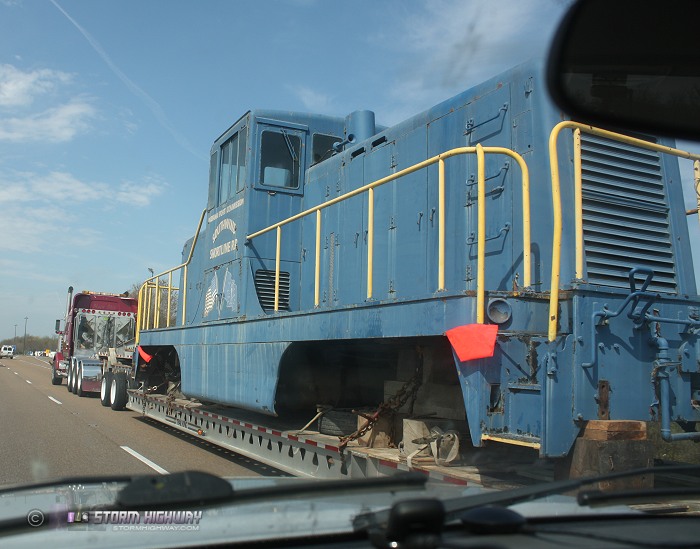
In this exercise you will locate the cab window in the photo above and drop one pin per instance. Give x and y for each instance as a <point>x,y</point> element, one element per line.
<point>280,159</point>
<point>232,166</point>
<point>322,146</point>
<point>213,187</point>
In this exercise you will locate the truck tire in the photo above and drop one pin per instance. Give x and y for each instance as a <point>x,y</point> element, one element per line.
<point>71,377</point>
<point>74,384</point>
<point>79,383</point>
<point>106,389</point>
<point>55,379</point>
<point>118,394</point>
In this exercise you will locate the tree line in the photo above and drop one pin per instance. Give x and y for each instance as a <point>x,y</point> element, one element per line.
<point>33,343</point>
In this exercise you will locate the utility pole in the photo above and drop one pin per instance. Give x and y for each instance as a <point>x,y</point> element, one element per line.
<point>15,340</point>
<point>24,345</point>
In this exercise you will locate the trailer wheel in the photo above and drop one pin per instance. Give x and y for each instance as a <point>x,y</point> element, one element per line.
<point>71,378</point>
<point>106,389</point>
<point>118,394</point>
<point>74,383</point>
<point>79,383</point>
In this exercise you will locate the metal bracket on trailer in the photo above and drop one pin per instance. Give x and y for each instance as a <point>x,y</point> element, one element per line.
<point>296,454</point>
<point>290,453</point>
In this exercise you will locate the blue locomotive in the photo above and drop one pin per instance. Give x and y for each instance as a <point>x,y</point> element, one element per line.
<point>334,255</point>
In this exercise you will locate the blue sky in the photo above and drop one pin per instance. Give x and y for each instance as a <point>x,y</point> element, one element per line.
<point>108,111</point>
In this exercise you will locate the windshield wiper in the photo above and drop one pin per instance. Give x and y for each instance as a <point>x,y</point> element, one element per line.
<point>592,498</point>
<point>292,152</point>
<point>455,507</point>
<point>197,488</point>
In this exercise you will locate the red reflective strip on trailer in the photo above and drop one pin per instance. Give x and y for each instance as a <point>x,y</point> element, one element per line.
<point>261,429</point>
<point>247,425</point>
<point>276,433</point>
<point>332,448</point>
<point>311,442</point>
<point>293,437</point>
<point>391,464</point>
<point>454,480</point>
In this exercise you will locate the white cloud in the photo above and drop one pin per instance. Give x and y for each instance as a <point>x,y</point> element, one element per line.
<point>452,45</point>
<point>60,188</point>
<point>140,193</point>
<point>313,100</point>
<point>58,124</point>
<point>19,88</point>
<point>23,121</point>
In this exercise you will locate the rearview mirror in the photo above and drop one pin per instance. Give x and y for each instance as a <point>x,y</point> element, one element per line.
<point>631,64</point>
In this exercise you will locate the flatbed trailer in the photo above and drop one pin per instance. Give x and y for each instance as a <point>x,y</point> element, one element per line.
<point>308,453</point>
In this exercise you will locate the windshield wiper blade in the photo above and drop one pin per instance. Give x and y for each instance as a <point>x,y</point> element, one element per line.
<point>598,497</point>
<point>193,487</point>
<point>457,506</point>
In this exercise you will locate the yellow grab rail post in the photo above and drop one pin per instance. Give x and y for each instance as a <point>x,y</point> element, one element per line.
<point>277,268</point>
<point>481,235</point>
<point>696,172</point>
<point>578,203</point>
<point>317,266</point>
<point>157,310</point>
<point>184,293</point>
<point>441,225</point>
<point>557,207</point>
<point>170,290</point>
<point>370,241</point>
<point>149,299</point>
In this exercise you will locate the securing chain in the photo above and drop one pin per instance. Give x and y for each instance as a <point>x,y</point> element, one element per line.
<point>407,391</point>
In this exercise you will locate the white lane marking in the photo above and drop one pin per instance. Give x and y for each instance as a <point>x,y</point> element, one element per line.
<point>56,401</point>
<point>144,460</point>
<point>16,373</point>
<point>28,381</point>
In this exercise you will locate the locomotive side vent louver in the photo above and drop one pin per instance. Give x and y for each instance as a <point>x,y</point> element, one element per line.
<point>625,214</point>
<point>265,289</point>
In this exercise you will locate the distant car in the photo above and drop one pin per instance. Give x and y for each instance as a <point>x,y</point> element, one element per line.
<point>7,352</point>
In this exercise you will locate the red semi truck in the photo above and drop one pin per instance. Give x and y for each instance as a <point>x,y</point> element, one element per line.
<point>96,345</point>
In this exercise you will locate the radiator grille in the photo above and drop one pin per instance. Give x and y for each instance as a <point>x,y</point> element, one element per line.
<point>625,214</point>
<point>265,289</point>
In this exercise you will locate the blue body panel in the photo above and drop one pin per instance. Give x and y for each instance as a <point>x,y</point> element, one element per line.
<point>232,343</point>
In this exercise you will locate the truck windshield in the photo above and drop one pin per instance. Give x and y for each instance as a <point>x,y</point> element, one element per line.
<point>99,332</point>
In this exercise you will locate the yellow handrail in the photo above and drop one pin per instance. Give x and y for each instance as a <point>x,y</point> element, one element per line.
<point>578,213</point>
<point>144,301</point>
<point>481,222</point>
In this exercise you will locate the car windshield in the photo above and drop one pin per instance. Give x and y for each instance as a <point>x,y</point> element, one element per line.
<point>333,241</point>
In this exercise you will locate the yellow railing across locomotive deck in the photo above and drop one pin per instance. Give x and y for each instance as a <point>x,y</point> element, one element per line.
<point>439,159</point>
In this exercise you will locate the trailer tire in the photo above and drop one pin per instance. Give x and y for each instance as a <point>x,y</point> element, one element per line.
<point>118,394</point>
<point>106,389</point>
<point>74,384</point>
<point>79,383</point>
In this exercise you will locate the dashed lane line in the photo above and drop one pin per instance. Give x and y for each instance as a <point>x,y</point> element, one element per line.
<point>145,460</point>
